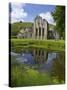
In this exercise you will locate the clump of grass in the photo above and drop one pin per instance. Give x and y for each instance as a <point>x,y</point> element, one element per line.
<point>24,76</point>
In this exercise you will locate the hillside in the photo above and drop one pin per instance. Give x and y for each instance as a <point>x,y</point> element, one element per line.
<point>15,27</point>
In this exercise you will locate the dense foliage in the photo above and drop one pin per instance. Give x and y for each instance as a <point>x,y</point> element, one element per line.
<point>59,18</point>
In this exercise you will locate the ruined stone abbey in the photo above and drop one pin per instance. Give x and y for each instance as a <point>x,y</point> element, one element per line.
<point>39,30</point>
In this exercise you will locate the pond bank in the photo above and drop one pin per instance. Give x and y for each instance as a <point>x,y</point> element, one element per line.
<point>55,45</point>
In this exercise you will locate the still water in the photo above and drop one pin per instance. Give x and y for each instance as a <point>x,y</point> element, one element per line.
<point>43,61</point>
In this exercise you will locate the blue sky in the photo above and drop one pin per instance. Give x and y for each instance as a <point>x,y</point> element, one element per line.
<point>27,12</point>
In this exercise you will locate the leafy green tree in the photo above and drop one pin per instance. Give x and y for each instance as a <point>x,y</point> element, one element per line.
<point>59,18</point>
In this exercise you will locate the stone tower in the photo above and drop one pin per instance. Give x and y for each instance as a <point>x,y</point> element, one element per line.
<point>40,28</point>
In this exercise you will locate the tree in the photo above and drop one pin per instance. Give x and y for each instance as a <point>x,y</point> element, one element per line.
<point>59,18</point>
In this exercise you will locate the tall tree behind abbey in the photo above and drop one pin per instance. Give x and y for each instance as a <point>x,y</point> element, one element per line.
<point>59,18</point>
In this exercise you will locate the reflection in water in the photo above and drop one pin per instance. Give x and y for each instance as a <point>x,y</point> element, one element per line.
<point>40,56</point>
<point>50,62</point>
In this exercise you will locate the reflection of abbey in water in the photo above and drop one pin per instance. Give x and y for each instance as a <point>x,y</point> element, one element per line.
<point>39,30</point>
<point>40,56</point>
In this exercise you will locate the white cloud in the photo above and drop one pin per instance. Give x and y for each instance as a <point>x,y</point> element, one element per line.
<point>48,17</point>
<point>18,13</point>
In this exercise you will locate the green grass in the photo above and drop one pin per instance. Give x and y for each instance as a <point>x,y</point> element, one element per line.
<point>56,45</point>
<point>21,76</point>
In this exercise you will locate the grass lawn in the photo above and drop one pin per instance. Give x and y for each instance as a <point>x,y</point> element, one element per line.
<point>57,45</point>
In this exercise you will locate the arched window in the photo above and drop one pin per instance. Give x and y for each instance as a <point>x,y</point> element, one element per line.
<point>36,31</point>
<point>39,31</point>
<point>43,32</point>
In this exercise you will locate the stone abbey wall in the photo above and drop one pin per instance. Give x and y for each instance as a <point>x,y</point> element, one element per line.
<point>40,28</point>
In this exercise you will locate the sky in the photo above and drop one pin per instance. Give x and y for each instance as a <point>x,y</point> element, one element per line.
<point>27,12</point>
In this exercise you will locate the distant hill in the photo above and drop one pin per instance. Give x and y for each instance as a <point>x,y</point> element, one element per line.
<point>15,27</point>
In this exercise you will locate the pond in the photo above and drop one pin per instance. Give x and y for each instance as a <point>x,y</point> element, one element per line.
<point>42,61</point>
